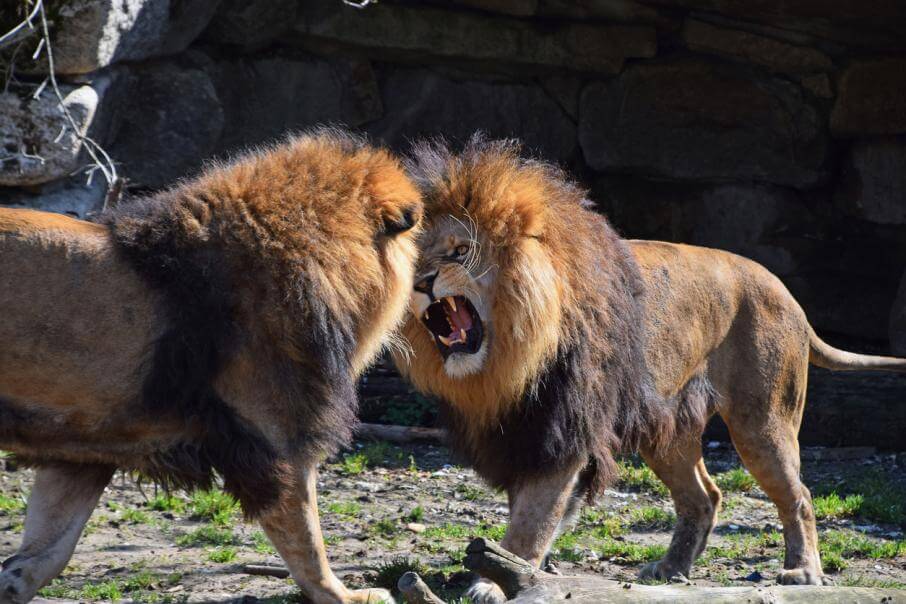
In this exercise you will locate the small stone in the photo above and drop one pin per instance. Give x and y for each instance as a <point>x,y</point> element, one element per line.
<point>416,527</point>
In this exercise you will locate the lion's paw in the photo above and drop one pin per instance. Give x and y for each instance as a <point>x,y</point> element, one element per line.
<point>370,596</point>
<point>803,576</point>
<point>661,571</point>
<point>485,592</point>
<point>13,588</point>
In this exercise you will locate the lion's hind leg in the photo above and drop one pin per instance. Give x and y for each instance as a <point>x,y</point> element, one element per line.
<point>696,499</point>
<point>61,501</point>
<point>770,451</point>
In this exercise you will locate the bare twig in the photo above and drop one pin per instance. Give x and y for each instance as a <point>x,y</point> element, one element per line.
<point>14,34</point>
<point>107,167</point>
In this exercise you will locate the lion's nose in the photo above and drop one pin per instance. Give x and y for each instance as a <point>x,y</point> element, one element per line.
<point>425,285</point>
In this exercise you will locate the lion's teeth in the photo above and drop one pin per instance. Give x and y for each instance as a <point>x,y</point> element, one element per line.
<point>451,302</point>
<point>446,341</point>
<point>426,315</point>
<point>462,335</point>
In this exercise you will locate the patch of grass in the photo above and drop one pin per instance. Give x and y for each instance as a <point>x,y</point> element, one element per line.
<point>207,535</point>
<point>650,517</point>
<point>381,453</point>
<point>262,544</point>
<point>332,539</point>
<point>11,505</point>
<point>451,531</point>
<point>632,553</point>
<point>355,464</point>
<point>163,502</point>
<point>601,524</point>
<point>883,499</point>
<point>863,581</point>
<point>135,516</point>
<point>469,492</point>
<point>833,506</point>
<point>566,547</point>
<point>836,546</point>
<point>737,480</point>
<point>108,590</point>
<point>214,506</point>
<point>385,527</point>
<point>743,546</point>
<point>222,555</point>
<point>413,467</point>
<point>390,572</point>
<point>639,477</point>
<point>348,509</point>
<point>416,515</point>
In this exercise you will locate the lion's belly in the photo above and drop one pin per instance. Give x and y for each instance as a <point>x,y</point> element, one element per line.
<point>75,322</point>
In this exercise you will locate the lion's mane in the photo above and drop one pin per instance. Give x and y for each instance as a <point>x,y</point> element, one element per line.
<point>270,251</point>
<point>566,377</point>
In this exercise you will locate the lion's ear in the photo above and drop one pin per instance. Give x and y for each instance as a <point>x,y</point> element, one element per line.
<point>398,220</point>
<point>532,210</point>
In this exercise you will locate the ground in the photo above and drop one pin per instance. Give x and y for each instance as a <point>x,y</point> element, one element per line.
<point>387,508</point>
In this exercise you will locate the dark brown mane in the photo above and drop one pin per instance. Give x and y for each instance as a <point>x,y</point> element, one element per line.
<point>595,396</point>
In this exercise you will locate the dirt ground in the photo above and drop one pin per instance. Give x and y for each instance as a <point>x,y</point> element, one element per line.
<point>386,509</point>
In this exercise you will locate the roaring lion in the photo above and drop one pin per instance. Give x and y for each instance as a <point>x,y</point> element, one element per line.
<point>217,327</point>
<point>553,344</point>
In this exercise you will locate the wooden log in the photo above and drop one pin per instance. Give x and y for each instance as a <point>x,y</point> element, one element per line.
<point>415,591</point>
<point>400,434</point>
<point>524,584</point>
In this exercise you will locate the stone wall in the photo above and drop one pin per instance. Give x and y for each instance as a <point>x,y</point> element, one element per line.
<point>773,129</point>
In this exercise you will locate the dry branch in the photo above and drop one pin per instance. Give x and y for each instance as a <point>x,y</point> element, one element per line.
<point>524,584</point>
<point>281,572</point>
<point>400,434</point>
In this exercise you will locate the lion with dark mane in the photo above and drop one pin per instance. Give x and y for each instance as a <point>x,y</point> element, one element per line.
<point>214,328</point>
<point>554,344</point>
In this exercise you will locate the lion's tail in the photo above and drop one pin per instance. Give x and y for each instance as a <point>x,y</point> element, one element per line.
<point>824,355</point>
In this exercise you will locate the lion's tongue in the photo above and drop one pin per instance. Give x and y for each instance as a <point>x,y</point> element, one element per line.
<point>461,320</point>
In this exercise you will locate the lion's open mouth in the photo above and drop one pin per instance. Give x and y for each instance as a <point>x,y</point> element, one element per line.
<point>455,325</point>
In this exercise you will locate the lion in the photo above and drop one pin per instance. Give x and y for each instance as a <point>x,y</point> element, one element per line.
<point>553,344</point>
<point>214,328</point>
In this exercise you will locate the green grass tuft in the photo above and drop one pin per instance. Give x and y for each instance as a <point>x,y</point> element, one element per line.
<point>833,506</point>
<point>222,555</point>
<point>214,506</point>
<point>207,535</point>
<point>162,502</point>
<point>639,477</point>
<point>389,573</point>
<point>737,480</point>
<point>11,505</point>
<point>355,464</point>
<point>262,543</point>
<point>416,515</point>
<point>348,509</point>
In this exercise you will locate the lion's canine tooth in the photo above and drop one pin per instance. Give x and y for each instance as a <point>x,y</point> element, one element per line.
<point>462,334</point>
<point>426,315</point>
<point>451,302</point>
<point>446,341</point>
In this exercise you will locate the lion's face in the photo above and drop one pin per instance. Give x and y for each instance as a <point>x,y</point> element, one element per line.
<point>454,294</point>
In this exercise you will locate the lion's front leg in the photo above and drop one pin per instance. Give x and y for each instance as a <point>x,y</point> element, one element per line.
<point>61,501</point>
<point>294,528</point>
<point>537,511</point>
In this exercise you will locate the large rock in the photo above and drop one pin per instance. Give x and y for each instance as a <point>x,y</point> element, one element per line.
<point>171,121</point>
<point>91,34</point>
<point>264,98</point>
<point>37,143</point>
<point>870,25</point>
<point>419,103</point>
<point>843,276</point>
<point>697,121</point>
<point>873,186</point>
<point>871,99</point>
<point>251,23</point>
<point>73,196</point>
<point>753,48</point>
<point>399,31</point>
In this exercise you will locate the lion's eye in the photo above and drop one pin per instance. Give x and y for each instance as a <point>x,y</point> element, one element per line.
<point>462,250</point>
